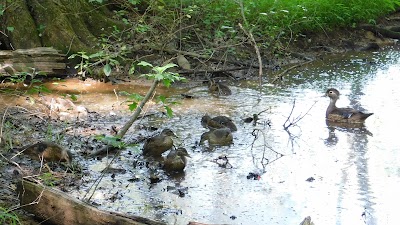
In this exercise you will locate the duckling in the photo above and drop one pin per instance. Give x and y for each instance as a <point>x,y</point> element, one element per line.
<point>48,151</point>
<point>176,160</point>
<point>217,122</point>
<point>159,144</point>
<point>219,89</point>
<point>342,115</point>
<point>221,136</point>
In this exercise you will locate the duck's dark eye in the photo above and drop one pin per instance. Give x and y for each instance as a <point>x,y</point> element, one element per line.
<point>330,92</point>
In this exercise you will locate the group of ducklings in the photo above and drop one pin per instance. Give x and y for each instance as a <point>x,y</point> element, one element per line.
<point>220,133</point>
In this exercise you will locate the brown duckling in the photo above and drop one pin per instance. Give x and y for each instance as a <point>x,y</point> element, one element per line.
<point>159,144</point>
<point>219,89</point>
<point>217,122</point>
<point>48,151</point>
<point>342,115</point>
<point>221,136</point>
<point>176,160</point>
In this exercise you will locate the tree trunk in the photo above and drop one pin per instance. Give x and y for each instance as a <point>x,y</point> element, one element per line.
<point>69,26</point>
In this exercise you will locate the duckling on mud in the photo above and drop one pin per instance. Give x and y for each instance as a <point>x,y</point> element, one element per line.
<point>46,151</point>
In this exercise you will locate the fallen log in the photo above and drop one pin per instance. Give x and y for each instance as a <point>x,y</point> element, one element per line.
<point>44,60</point>
<point>56,207</point>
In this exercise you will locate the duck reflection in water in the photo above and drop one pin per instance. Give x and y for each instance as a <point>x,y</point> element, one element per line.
<point>351,128</point>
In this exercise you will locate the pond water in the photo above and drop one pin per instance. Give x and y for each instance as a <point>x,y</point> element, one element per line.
<point>355,171</point>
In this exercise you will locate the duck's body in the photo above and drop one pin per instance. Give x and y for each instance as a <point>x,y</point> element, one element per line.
<point>218,122</point>
<point>159,144</point>
<point>219,89</point>
<point>342,115</point>
<point>48,151</point>
<point>221,136</point>
<point>176,160</point>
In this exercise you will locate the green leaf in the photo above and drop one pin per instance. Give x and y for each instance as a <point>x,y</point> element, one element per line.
<point>162,98</point>
<point>133,106</point>
<point>169,111</point>
<point>143,63</point>
<point>158,76</point>
<point>97,54</point>
<point>107,70</point>
<point>135,97</point>
<point>73,97</point>
<point>167,83</point>
<point>132,69</point>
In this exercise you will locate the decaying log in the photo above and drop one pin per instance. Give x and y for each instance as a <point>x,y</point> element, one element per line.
<point>56,207</point>
<point>43,59</point>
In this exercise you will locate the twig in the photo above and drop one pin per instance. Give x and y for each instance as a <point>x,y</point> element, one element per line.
<point>255,133</point>
<point>298,118</point>
<point>213,71</point>
<point>253,42</point>
<point>98,180</point>
<point>2,124</point>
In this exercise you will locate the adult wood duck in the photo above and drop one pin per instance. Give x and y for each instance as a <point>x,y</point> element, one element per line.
<point>221,136</point>
<point>48,151</point>
<point>176,160</point>
<point>217,122</point>
<point>159,144</point>
<point>342,115</point>
<point>219,89</point>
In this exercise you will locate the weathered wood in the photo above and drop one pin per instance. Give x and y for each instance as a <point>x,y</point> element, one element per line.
<point>56,207</point>
<point>43,59</point>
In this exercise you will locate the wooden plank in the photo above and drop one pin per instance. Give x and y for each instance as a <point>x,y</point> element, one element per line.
<point>56,207</point>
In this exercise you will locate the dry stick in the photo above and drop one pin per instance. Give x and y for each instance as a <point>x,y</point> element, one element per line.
<point>98,180</point>
<point>195,55</point>
<point>213,71</point>
<point>129,123</point>
<point>2,124</point>
<point>300,117</point>
<point>123,131</point>
<point>255,133</point>
<point>254,43</point>
<point>138,110</point>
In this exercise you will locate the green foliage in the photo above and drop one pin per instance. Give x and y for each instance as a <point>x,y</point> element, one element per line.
<point>114,51</point>
<point>34,87</point>
<point>113,141</point>
<point>134,98</point>
<point>53,135</point>
<point>271,17</point>
<point>167,103</point>
<point>8,131</point>
<point>49,179</point>
<point>7,217</point>
<point>160,73</point>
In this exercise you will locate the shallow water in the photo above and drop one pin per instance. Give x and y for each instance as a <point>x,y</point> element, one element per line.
<point>356,170</point>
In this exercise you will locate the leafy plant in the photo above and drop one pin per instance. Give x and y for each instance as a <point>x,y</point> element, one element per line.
<point>113,141</point>
<point>7,217</point>
<point>160,73</point>
<point>166,102</point>
<point>49,179</point>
